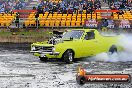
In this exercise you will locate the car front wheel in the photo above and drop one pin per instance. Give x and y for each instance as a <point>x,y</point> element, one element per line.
<point>68,56</point>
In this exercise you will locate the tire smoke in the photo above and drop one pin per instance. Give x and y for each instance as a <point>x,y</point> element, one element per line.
<point>123,56</point>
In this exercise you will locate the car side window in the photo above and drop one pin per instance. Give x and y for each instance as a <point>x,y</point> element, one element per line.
<point>90,35</point>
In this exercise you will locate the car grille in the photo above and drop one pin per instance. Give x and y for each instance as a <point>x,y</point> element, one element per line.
<point>44,49</point>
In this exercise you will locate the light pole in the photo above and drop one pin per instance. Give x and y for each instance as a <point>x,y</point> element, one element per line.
<point>91,8</point>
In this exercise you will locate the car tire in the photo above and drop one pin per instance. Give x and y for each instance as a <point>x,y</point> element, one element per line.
<point>44,59</point>
<point>81,80</point>
<point>113,49</point>
<point>68,56</point>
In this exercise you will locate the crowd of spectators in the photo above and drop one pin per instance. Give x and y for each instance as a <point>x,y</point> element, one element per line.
<point>121,5</point>
<point>9,5</point>
<point>68,6</point>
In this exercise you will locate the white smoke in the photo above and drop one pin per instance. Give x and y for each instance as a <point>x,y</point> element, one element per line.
<point>124,56</point>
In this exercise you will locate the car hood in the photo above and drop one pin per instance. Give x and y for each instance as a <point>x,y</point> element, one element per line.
<point>45,43</point>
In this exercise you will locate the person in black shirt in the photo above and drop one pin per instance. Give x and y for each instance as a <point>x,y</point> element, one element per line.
<point>17,20</point>
<point>36,17</point>
<point>122,6</point>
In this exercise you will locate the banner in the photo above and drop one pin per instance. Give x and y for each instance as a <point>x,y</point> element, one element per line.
<point>91,23</point>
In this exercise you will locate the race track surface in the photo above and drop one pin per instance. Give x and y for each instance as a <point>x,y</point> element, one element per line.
<point>20,69</point>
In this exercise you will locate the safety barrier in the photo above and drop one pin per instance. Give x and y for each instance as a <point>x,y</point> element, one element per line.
<point>87,23</point>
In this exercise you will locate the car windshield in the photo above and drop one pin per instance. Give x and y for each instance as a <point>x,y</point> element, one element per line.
<point>75,34</point>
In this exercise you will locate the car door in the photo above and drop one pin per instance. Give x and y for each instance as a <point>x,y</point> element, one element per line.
<point>90,44</point>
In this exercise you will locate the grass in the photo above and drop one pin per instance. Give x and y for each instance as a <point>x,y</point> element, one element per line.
<point>5,33</point>
<point>23,37</point>
<point>33,34</point>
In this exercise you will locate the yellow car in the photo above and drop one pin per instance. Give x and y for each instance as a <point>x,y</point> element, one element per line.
<point>75,44</point>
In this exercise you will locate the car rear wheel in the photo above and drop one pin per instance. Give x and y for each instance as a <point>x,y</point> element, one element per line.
<point>68,56</point>
<point>113,49</point>
<point>44,59</point>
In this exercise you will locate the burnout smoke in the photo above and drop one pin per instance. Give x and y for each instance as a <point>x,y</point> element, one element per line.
<point>123,56</point>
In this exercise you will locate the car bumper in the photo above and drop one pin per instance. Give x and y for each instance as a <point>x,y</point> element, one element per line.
<point>41,52</point>
<point>45,54</point>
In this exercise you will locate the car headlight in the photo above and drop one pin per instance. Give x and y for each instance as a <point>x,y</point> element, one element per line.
<point>53,49</point>
<point>33,48</point>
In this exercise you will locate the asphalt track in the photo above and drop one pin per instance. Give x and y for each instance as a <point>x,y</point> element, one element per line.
<point>20,69</point>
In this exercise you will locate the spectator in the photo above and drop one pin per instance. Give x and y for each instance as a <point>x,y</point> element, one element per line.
<point>17,20</point>
<point>70,6</point>
<point>121,5</point>
<point>34,8</point>
<point>104,25</point>
<point>61,7</point>
<point>8,5</point>
<point>80,9</point>
<point>110,23</point>
<point>36,17</point>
